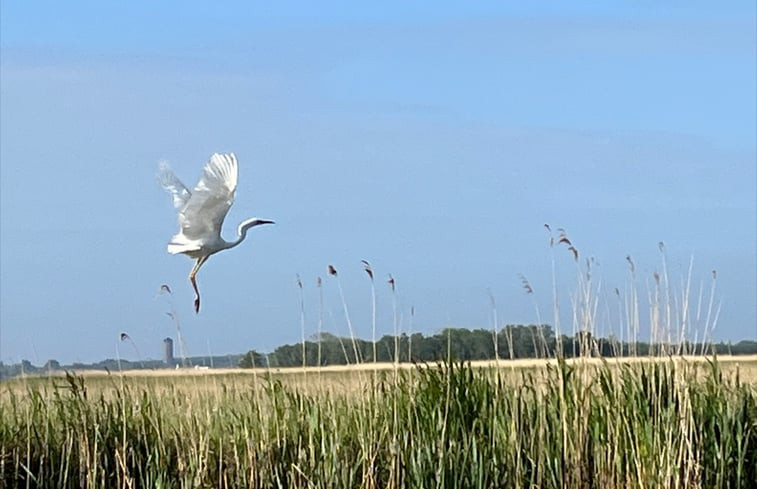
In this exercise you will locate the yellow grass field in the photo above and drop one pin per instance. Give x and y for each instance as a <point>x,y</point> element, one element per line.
<point>746,364</point>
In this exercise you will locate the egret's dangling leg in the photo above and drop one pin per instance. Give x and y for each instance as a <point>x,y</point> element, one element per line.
<point>192,275</point>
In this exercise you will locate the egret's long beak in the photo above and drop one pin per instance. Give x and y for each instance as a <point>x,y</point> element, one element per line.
<point>258,222</point>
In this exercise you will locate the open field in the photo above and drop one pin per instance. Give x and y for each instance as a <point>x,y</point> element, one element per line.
<point>350,378</point>
<point>631,423</point>
<point>747,363</point>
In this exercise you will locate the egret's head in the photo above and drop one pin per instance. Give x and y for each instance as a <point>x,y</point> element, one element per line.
<point>249,223</point>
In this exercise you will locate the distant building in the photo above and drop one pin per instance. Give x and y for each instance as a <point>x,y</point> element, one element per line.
<point>168,351</point>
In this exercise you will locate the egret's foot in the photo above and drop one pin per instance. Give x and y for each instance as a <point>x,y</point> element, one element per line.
<point>197,305</point>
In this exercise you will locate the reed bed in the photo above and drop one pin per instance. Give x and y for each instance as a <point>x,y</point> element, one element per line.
<point>584,424</point>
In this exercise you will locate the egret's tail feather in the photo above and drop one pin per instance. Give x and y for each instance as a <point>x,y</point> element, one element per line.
<point>180,244</point>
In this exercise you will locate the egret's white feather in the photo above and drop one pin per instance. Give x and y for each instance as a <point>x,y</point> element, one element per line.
<point>180,244</point>
<point>201,218</point>
<point>173,185</point>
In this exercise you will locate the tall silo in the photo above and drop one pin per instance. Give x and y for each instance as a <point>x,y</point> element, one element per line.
<point>168,351</point>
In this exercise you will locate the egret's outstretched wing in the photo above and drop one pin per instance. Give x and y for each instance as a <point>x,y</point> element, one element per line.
<point>202,216</point>
<point>173,185</point>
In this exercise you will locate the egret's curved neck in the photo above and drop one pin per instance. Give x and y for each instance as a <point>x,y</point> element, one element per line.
<point>244,226</point>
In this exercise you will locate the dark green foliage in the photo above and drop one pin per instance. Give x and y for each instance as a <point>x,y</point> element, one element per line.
<point>530,341</point>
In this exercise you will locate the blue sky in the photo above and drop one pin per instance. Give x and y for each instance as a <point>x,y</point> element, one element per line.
<point>432,139</point>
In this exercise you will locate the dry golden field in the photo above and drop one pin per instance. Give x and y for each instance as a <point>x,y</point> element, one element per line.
<point>631,423</point>
<point>747,364</point>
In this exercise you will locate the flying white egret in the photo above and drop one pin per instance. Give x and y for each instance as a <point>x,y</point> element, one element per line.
<point>202,211</point>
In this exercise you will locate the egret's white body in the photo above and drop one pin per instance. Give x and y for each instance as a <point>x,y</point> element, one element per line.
<point>202,211</point>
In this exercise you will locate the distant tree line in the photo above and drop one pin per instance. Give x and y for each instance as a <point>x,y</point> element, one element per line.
<point>513,341</point>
